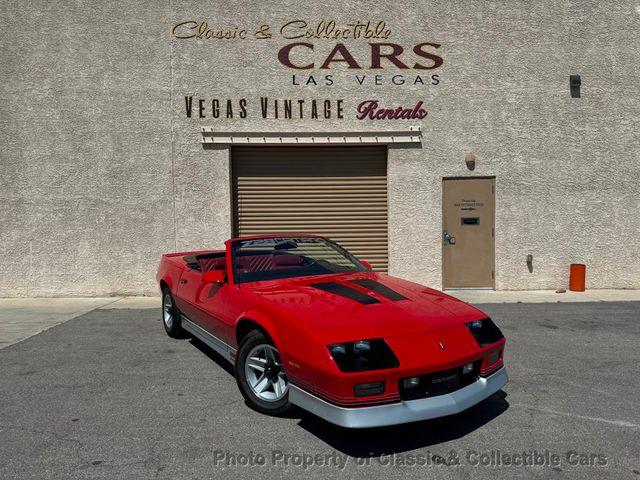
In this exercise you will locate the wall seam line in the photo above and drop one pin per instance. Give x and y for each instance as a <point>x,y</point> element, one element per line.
<point>173,176</point>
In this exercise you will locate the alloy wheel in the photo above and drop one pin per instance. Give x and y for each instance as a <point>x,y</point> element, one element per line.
<point>167,311</point>
<point>264,373</point>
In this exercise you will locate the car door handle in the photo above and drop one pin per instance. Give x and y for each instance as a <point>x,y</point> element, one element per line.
<point>183,281</point>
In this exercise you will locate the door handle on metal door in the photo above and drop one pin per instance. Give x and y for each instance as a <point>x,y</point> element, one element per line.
<point>183,281</point>
<point>447,239</point>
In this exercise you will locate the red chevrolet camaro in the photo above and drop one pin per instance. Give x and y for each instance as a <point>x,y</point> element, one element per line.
<point>304,322</point>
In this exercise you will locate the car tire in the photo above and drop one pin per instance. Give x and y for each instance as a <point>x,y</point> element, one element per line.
<point>171,315</point>
<point>266,390</point>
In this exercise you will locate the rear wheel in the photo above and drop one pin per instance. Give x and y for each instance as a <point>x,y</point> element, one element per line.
<point>171,315</point>
<point>260,375</point>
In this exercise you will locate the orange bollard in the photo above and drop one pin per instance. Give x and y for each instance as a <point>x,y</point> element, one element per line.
<point>577,276</point>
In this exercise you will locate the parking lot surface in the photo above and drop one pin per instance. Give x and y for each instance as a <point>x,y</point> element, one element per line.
<point>109,395</point>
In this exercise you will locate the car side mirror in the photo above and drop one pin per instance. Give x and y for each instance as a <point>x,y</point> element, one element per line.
<point>366,264</point>
<point>213,276</point>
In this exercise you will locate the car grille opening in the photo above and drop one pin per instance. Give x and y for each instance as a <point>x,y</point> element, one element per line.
<point>439,383</point>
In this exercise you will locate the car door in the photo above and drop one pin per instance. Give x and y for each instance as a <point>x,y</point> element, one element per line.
<point>200,302</point>
<point>187,295</point>
<point>221,305</point>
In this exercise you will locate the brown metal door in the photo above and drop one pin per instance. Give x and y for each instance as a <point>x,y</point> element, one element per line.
<point>468,232</point>
<point>339,192</point>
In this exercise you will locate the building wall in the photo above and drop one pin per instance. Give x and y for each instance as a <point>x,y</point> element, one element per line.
<point>102,171</point>
<point>86,197</point>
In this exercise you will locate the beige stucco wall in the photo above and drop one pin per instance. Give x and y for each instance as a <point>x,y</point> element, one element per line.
<point>102,172</point>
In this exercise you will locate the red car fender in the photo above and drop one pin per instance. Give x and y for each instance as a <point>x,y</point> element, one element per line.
<point>167,279</point>
<point>299,361</point>
<point>169,271</point>
<point>259,318</point>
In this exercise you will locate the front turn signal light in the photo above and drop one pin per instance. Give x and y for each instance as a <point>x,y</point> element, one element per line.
<point>491,362</point>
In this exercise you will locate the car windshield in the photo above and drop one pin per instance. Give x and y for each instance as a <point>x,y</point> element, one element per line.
<point>271,258</point>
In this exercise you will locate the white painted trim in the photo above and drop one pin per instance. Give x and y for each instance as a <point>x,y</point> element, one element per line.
<point>227,351</point>
<point>410,135</point>
<point>401,411</point>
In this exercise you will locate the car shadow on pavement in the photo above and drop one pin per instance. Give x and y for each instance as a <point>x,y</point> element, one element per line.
<point>213,355</point>
<point>402,438</point>
<point>386,440</point>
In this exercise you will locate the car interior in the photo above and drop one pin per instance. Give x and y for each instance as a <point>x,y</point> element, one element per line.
<point>254,262</point>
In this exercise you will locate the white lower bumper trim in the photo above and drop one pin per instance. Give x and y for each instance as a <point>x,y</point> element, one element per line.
<point>401,412</point>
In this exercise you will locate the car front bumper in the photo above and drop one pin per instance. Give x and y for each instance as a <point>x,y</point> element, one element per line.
<point>401,412</point>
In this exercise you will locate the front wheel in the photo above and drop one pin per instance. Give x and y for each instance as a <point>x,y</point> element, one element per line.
<point>260,376</point>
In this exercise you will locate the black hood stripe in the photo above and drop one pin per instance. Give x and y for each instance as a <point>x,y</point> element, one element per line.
<point>379,288</point>
<point>343,290</point>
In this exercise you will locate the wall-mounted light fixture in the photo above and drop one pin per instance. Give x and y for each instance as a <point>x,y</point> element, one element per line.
<point>470,160</point>
<point>530,263</point>
<point>574,85</point>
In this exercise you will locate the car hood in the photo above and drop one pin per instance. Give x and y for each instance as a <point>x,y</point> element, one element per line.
<point>361,305</point>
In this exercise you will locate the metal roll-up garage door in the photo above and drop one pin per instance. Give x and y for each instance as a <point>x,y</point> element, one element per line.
<point>338,192</point>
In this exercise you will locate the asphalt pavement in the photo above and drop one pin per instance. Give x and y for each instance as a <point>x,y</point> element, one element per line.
<point>108,395</point>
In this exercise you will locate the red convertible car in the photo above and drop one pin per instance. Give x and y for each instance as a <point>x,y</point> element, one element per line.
<point>304,322</point>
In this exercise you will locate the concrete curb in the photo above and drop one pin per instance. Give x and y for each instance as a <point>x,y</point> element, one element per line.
<point>545,296</point>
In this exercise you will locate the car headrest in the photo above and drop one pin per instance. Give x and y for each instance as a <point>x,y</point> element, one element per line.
<point>220,263</point>
<point>215,263</point>
<point>286,260</point>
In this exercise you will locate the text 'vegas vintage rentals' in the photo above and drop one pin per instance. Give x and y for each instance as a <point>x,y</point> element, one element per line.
<point>306,323</point>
